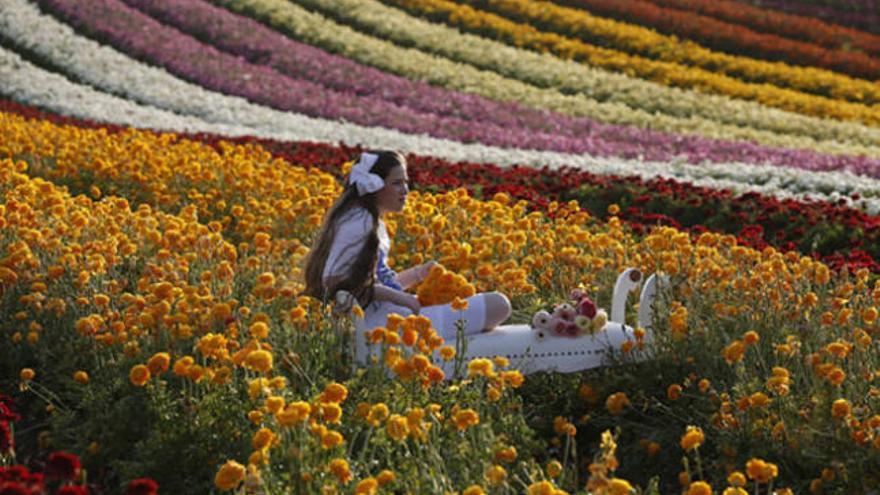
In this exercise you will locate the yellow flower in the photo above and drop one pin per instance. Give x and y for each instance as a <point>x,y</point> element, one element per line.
<point>139,375</point>
<point>496,475</point>
<point>331,439</point>
<point>473,490</point>
<point>466,418</point>
<point>506,454</point>
<point>619,486</point>
<point>275,403</point>
<point>481,367</point>
<point>692,438</point>
<point>182,364</point>
<point>459,304</point>
<point>229,476</point>
<point>378,412</point>
<point>736,478</point>
<point>260,360</point>
<point>699,488</point>
<point>27,374</point>
<point>447,353</point>
<point>541,488</point>
<point>81,377</point>
<point>159,363</point>
<point>616,402</point>
<point>340,469</point>
<point>367,486</point>
<point>735,490</point>
<point>259,330</point>
<point>334,392</point>
<point>397,427</point>
<point>841,408</point>
<point>263,439</point>
<point>385,477</point>
<point>293,413</point>
<point>331,413</point>
<point>761,471</point>
<point>734,352</point>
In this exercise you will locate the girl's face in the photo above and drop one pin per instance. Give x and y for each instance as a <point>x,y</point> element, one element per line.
<point>392,197</point>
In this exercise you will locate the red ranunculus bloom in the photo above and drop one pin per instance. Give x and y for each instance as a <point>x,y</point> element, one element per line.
<point>142,486</point>
<point>13,488</point>
<point>63,465</point>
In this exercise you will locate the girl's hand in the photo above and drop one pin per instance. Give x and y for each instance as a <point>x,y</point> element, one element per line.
<point>412,302</point>
<point>425,269</point>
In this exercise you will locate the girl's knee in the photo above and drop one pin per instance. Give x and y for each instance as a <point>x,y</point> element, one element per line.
<point>498,308</point>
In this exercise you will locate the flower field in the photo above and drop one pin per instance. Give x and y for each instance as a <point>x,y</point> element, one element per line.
<point>165,167</point>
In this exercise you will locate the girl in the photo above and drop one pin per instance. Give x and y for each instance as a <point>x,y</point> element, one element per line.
<point>349,254</point>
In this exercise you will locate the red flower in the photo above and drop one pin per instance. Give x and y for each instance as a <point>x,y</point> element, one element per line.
<point>587,308</point>
<point>72,490</point>
<point>13,488</point>
<point>142,486</point>
<point>63,465</point>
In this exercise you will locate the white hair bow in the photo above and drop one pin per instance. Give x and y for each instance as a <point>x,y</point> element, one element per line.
<point>361,177</point>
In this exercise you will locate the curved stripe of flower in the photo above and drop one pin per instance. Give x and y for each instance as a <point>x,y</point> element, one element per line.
<point>370,16</point>
<point>24,82</point>
<point>244,37</point>
<point>866,20</point>
<point>763,19</point>
<point>113,72</point>
<point>739,51</point>
<point>629,101</point>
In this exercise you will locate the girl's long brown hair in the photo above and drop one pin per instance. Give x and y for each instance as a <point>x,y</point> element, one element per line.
<point>363,273</point>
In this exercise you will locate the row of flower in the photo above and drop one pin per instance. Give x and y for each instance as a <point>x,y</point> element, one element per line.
<point>746,41</point>
<point>216,296</point>
<point>495,123</point>
<point>625,100</point>
<point>87,61</point>
<point>810,29</point>
<point>61,95</point>
<point>865,19</point>
<point>838,235</point>
<point>565,28</point>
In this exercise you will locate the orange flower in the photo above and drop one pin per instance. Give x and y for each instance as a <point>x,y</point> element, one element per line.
<point>139,375</point>
<point>616,402</point>
<point>761,471</point>
<point>334,392</point>
<point>459,304</point>
<point>159,363</point>
<point>692,438</point>
<point>466,418</point>
<point>841,408</point>
<point>674,391</point>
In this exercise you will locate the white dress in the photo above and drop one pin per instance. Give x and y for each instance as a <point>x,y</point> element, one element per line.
<point>351,234</point>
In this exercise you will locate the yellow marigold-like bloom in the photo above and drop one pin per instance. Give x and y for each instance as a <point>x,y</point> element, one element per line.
<point>466,418</point>
<point>182,364</point>
<point>255,417</point>
<point>459,304</point>
<point>159,363</point>
<point>616,402</point>
<point>496,475</point>
<point>139,375</point>
<point>385,477</point>
<point>259,330</point>
<point>692,439</point>
<point>751,337</point>
<point>447,353</point>
<point>506,454</point>
<point>334,392</point>
<point>260,360</point>
<point>81,377</point>
<point>761,471</point>
<point>263,439</point>
<point>367,486</point>
<point>331,413</point>
<point>514,378</point>
<point>256,387</point>
<point>274,403</point>
<point>554,469</point>
<point>229,476</point>
<point>378,413</point>
<point>340,469</point>
<point>397,427</point>
<point>27,374</point>
<point>541,488</point>
<point>619,486</point>
<point>481,367</point>
<point>473,490</point>
<point>734,352</point>
<point>699,488</point>
<point>836,376</point>
<point>841,408</point>
<point>735,490</point>
<point>294,413</point>
<point>736,478</point>
<point>331,439</point>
